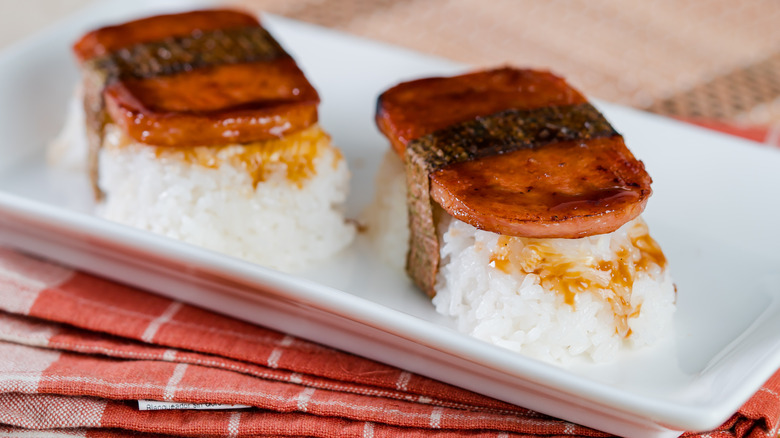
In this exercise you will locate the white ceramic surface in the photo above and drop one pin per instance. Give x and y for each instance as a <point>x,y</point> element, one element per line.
<point>714,211</point>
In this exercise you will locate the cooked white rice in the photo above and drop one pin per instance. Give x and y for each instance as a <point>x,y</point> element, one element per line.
<point>220,198</point>
<point>70,148</point>
<point>552,299</point>
<point>386,218</point>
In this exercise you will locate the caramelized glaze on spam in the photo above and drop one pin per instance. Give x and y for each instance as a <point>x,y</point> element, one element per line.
<point>218,105</point>
<point>416,108</point>
<point>542,188</point>
<point>111,38</point>
<point>244,85</point>
<point>228,80</point>
<point>564,189</point>
<point>570,275</point>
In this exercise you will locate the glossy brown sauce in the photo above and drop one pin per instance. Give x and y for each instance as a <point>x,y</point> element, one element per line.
<point>651,250</point>
<point>602,197</point>
<point>569,275</point>
<point>296,153</point>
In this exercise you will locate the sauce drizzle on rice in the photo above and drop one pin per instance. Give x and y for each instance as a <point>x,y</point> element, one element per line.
<point>573,272</point>
<point>294,153</point>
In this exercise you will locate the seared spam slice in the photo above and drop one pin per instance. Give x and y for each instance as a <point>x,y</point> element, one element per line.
<point>210,77</point>
<point>198,78</point>
<point>413,109</point>
<point>527,155</point>
<point>222,104</point>
<point>515,152</point>
<point>109,39</point>
<point>531,192</point>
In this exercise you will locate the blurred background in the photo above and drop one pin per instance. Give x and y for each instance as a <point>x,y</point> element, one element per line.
<point>708,61</point>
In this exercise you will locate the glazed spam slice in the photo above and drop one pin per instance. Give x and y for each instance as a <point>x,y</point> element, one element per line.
<point>511,151</point>
<point>209,77</point>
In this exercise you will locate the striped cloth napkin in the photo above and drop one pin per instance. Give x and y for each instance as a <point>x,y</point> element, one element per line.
<point>78,353</point>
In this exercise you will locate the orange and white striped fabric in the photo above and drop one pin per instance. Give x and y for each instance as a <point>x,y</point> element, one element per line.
<point>77,352</point>
<point>768,135</point>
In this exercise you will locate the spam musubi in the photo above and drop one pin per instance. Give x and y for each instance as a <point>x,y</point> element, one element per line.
<point>521,207</point>
<point>202,128</point>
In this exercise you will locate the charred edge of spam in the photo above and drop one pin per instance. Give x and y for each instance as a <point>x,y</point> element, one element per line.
<point>495,134</point>
<point>180,54</point>
<point>511,130</point>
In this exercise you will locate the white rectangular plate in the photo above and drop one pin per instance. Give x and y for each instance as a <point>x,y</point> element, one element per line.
<point>714,211</point>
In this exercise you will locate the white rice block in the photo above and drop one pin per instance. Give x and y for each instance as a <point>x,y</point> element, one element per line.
<point>70,148</point>
<point>386,218</point>
<point>213,197</point>
<point>524,311</point>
